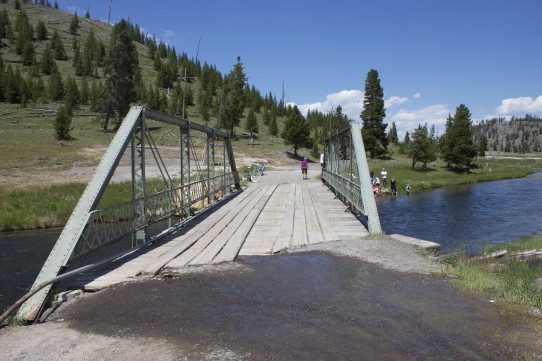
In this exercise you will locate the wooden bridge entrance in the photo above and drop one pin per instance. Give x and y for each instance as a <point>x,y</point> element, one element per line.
<point>261,220</point>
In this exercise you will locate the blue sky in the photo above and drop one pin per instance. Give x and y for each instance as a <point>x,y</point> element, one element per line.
<point>431,55</point>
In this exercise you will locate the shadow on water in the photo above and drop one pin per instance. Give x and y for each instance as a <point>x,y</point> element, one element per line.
<point>467,217</point>
<point>306,307</point>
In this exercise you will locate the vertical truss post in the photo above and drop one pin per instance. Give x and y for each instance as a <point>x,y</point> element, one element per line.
<point>367,195</point>
<point>231,160</point>
<point>185,167</point>
<point>211,166</point>
<point>223,167</point>
<point>138,182</point>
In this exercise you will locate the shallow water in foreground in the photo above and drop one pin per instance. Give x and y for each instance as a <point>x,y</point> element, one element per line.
<point>308,306</point>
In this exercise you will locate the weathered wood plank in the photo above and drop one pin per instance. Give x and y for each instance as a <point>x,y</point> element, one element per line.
<point>285,233</point>
<point>314,231</point>
<point>263,235</point>
<point>231,249</point>
<point>327,228</point>
<point>209,253</point>
<point>182,243</point>
<point>299,237</point>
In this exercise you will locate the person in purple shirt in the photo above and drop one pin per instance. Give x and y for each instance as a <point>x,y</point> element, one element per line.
<point>304,167</point>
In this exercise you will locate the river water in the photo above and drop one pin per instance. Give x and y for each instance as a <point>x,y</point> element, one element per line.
<point>467,217</point>
<point>459,218</point>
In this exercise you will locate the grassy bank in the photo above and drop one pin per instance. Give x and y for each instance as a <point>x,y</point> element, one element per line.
<point>502,279</point>
<point>438,175</point>
<point>24,207</point>
<point>50,206</point>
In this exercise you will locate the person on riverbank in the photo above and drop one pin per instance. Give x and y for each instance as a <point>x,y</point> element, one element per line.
<point>372,175</point>
<point>408,188</point>
<point>304,167</point>
<point>384,176</point>
<point>393,186</point>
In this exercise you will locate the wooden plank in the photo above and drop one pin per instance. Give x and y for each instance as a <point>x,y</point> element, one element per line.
<point>314,231</point>
<point>299,237</point>
<point>207,255</point>
<point>284,235</point>
<point>262,237</point>
<point>182,243</point>
<point>231,249</point>
<point>328,230</point>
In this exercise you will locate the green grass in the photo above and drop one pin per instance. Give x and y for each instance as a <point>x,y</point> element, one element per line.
<point>49,206</point>
<point>502,279</point>
<point>399,166</point>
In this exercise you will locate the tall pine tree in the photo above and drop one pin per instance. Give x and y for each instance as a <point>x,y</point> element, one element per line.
<point>456,145</point>
<point>121,71</point>
<point>373,114</point>
<point>234,97</point>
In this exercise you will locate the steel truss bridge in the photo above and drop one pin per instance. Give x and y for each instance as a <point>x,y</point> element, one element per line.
<point>158,207</point>
<point>207,171</point>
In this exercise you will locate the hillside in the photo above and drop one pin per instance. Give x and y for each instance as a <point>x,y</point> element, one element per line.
<point>519,135</point>
<point>30,152</point>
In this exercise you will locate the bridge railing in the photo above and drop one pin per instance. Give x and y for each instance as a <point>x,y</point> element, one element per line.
<point>346,172</point>
<point>207,171</point>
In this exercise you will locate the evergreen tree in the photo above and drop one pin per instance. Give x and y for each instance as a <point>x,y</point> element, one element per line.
<point>85,92</point>
<point>251,124</point>
<point>373,114</point>
<point>392,135</point>
<point>59,52</point>
<point>482,146</point>
<point>28,54</point>
<point>456,144</point>
<point>56,86</point>
<point>122,68</point>
<point>72,99</point>
<point>273,126</point>
<point>74,24</point>
<point>62,123</point>
<point>205,100</point>
<point>41,31</point>
<point>234,101</point>
<point>296,130</point>
<point>17,5</point>
<point>4,24</point>
<point>87,15</point>
<point>56,5</point>
<point>421,148</point>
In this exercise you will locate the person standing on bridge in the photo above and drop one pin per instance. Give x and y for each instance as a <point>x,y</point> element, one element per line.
<point>304,168</point>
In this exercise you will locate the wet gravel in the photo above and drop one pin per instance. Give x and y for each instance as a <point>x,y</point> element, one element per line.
<point>305,306</point>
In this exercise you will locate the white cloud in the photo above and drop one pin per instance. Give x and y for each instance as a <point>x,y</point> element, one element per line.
<point>351,101</point>
<point>417,96</point>
<point>408,120</point>
<point>520,105</point>
<point>392,101</point>
<point>168,34</point>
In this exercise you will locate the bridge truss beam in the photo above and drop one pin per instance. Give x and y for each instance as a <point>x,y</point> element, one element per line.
<point>90,228</point>
<point>346,172</point>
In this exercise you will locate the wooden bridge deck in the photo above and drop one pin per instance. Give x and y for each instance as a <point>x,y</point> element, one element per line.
<point>262,220</point>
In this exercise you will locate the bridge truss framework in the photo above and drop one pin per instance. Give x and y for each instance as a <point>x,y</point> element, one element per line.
<point>90,228</point>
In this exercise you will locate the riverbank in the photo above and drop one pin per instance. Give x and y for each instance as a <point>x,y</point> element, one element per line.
<point>51,205</point>
<point>504,279</point>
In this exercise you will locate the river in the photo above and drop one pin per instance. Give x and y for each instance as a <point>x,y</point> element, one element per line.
<point>467,217</point>
<point>459,218</point>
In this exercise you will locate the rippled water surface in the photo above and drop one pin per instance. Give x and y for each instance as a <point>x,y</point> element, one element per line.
<point>467,217</point>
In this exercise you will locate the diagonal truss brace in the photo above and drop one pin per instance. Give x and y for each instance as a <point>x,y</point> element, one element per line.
<point>63,249</point>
